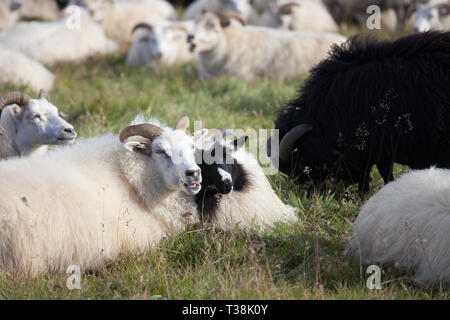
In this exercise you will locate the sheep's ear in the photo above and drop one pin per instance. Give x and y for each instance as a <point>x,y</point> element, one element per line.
<point>138,144</point>
<point>239,142</point>
<point>15,111</point>
<point>44,95</point>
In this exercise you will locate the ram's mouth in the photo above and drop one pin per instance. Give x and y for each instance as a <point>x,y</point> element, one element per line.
<point>192,187</point>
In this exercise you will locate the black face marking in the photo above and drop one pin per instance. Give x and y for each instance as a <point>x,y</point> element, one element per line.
<point>214,186</point>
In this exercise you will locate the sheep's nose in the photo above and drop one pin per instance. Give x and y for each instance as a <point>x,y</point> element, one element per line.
<point>193,173</point>
<point>69,132</point>
<point>190,37</point>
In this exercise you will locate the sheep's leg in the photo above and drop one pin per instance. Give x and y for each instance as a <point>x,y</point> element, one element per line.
<point>364,182</point>
<point>386,171</point>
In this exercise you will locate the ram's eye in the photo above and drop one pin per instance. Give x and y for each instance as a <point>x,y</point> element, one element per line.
<point>37,117</point>
<point>163,153</point>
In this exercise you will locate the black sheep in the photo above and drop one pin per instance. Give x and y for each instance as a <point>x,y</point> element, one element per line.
<point>221,174</point>
<point>371,102</point>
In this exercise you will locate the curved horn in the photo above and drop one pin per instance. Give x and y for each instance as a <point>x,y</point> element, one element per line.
<point>288,141</point>
<point>142,25</point>
<point>43,94</point>
<point>287,8</point>
<point>225,15</point>
<point>183,124</point>
<point>145,130</point>
<point>19,98</point>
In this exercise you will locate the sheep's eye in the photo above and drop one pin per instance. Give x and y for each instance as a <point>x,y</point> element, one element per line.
<point>37,117</point>
<point>163,153</point>
<point>444,11</point>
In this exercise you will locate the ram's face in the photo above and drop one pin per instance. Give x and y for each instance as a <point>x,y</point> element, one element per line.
<point>206,35</point>
<point>40,123</point>
<point>173,153</point>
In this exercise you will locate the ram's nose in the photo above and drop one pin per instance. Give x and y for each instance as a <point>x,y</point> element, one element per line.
<point>68,133</point>
<point>193,173</point>
<point>190,37</point>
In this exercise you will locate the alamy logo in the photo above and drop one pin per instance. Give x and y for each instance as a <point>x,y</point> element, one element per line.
<point>374,20</point>
<point>374,280</point>
<point>74,281</point>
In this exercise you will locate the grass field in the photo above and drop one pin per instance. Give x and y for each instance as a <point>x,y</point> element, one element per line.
<point>295,261</point>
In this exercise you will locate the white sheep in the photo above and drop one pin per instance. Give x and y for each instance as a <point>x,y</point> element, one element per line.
<point>42,10</point>
<point>406,224</point>
<point>64,40</point>
<point>18,69</point>
<point>162,42</point>
<point>299,15</point>
<point>196,9</point>
<point>225,46</point>
<point>118,17</point>
<point>9,13</point>
<point>28,126</point>
<point>434,15</point>
<point>96,199</point>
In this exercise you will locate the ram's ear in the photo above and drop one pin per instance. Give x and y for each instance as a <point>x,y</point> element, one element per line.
<point>138,144</point>
<point>239,142</point>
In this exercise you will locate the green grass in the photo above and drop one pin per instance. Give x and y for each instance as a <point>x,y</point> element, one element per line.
<point>304,260</point>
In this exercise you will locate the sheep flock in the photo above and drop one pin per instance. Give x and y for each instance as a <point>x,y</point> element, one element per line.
<point>366,98</point>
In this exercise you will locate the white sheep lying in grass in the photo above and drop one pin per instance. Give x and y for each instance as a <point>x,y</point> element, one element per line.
<point>299,15</point>
<point>407,224</point>
<point>92,201</point>
<point>28,126</point>
<point>118,17</point>
<point>53,42</point>
<point>162,42</point>
<point>226,46</point>
<point>18,69</point>
<point>434,15</point>
<point>9,13</point>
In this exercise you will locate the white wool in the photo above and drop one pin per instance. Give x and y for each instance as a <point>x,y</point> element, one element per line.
<point>52,42</point>
<point>407,224</point>
<point>7,17</point>
<point>309,15</point>
<point>118,17</point>
<point>84,205</point>
<point>18,69</point>
<point>249,52</point>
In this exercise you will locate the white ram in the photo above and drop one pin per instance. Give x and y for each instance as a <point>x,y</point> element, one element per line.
<point>28,126</point>
<point>92,201</point>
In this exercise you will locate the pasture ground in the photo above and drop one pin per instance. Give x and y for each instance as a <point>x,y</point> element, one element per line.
<point>304,260</point>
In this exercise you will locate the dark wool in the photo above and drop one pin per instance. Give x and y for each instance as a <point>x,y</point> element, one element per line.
<point>373,102</point>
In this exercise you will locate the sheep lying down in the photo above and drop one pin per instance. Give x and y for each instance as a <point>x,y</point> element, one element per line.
<point>406,224</point>
<point>104,196</point>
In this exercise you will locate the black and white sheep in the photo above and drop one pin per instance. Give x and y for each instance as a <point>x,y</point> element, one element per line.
<point>371,102</point>
<point>235,191</point>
